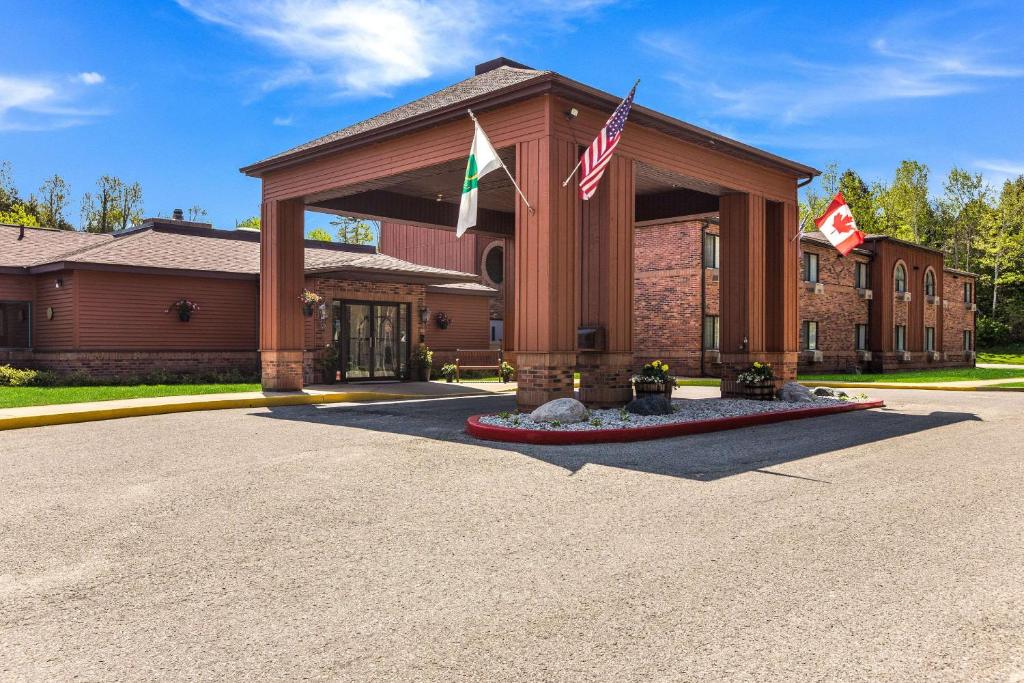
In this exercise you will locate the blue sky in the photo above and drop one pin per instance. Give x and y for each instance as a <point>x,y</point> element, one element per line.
<point>179,94</point>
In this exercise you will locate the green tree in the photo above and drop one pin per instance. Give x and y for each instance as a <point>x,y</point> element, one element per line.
<point>814,204</point>
<point>252,222</point>
<point>196,213</point>
<point>961,209</point>
<point>1001,242</point>
<point>320,234</point>
<point>354,230</point>
<point>115,205</point>
<point>904,209</point>
<point>18,215</point>
<point>54,196</point>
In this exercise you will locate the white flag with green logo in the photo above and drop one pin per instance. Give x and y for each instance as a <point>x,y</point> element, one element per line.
<point>482,160</point>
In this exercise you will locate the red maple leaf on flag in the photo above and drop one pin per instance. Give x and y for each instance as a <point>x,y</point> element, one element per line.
<point>842,223</point>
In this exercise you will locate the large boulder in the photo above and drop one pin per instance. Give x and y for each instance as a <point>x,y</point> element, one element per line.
<point>650,405</point>
<point>795,393</point>
<point>564,410</point>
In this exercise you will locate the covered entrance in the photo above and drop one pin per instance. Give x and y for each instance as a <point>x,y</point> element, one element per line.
<point>568,264</point>
<point>372,340</point>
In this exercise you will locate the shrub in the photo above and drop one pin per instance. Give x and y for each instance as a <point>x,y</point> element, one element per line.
<point>992,332</point>
<point>506,371</point>
<point>449,370</point>
<point>422,357</point>
<point>16,377</point>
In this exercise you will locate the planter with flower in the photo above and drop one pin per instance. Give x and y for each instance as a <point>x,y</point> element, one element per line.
<point>654,379</point>
<point>309,301</point>
<point>422,362</point>
<point>184,308</point>
<point>758,382</point>
<point>442,320</point>
<point>506,371</point>
<point>449,371</point>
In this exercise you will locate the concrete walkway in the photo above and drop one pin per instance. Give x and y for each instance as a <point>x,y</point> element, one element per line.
<point>1000,366</point>
<point>66,413</point>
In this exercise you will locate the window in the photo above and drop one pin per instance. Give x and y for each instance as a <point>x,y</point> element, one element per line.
<point>15,324</point>
<point>809,335</point>
<point>711,332</point>
<point>861,337</point>
<point>929,339</point>
<point>494,264</point>
<point>497,331</point>
<point>900,338</point>
<point>968,340</point>
<point>860,276</point>
<point>810,267</point>
<point>900,278</point>
<point>929,283</point>
<point>710,251</point>
<point>968,292</point>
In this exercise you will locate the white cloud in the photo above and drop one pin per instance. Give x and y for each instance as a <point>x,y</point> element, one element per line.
<point>1002,166</point>
<point>372,46</point>
<point>91,78</point>
<point>41,103</point>
<point>283,120</point>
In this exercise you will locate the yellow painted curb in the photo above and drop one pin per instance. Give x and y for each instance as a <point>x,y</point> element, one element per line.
<point>213,404</point>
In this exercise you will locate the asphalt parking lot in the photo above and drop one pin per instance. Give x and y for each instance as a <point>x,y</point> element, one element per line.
<point>380,542</point>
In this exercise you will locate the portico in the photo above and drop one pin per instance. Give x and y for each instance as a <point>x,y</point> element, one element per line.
<point>569,262</point>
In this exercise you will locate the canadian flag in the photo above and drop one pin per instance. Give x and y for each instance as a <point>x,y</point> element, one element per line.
<point>838,226</point>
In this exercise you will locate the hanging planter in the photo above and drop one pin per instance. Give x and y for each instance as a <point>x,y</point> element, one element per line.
<point>309,301</point>
<point>442,320</point>
<point>184,309</point>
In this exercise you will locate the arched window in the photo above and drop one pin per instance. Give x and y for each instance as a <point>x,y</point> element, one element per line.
<point>494,263</point>
<point>900,278</point>
<point>929,282</point>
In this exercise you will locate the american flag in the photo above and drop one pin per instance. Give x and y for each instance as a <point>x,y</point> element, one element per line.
<point>597,156</point>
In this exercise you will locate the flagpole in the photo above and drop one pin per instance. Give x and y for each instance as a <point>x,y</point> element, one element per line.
<point>514,183</point>
<point>580,162</point>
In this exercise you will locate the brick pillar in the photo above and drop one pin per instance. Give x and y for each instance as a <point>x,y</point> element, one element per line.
<point>606,286</point>
<point>759,311</point>
<point>281,281</point>
<point>544,286</point>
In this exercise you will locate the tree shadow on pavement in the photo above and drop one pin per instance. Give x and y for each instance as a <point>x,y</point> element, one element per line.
<point>701,457</point>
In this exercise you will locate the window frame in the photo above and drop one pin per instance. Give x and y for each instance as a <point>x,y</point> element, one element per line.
<point>859,282</point>
<point>968,340</point>
<point>715,334</point>
<point>858,346</point>
<point>929,338</point>
<point>968,293</point>
<point>712,260</point>
<point>929,282</point>
<point>807,267</point>
<point>899,338</point>
<point>805,335</point>
<point>900,268</point>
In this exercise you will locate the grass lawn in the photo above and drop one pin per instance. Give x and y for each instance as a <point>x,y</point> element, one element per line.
<point>921,376</point>
<point>1003,355</point>
<point>17,397</point>
<point>697,382</point>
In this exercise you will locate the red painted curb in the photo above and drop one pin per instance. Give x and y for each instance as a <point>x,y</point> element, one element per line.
<point>564,438</point>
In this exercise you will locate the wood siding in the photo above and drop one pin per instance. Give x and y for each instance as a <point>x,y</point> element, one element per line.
<point>282,272</point>
<point>469,328</point>
<point>17,288</point>
<point>430,246</point>
<point>59,332</point>
<point>128,312</point>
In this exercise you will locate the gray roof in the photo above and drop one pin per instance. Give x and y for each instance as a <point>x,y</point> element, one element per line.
<point>463,91</point>
<point>191,248</point>
<point>817,237</point>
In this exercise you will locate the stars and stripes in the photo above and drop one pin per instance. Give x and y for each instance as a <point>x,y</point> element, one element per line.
<point>597,156</point>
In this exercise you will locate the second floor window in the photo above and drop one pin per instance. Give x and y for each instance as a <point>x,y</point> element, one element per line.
<point>861,337</point>
<point>710,250</point>
<point>900,338</point>
<point>711,332</point>
<point>968,293</point>
<point>929,283</point>
<point>860,275</point>
<point>900,278</point>
<point>809,334</point>
<point>929,339</point>
<point>810,267</point>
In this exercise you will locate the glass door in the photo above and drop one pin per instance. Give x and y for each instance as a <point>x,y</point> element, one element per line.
<point>373,339</point>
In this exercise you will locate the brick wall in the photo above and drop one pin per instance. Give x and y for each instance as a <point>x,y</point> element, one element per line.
<point>119,365</point>
<point>838,309</point>
<point>956,317</point>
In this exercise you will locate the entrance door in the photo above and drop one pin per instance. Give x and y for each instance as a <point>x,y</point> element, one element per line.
<point>373,339</point>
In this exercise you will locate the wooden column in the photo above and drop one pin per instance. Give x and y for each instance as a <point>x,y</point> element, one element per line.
<point>606,286</point>
<point>545,266</point>
<point>758,288</point>
<point>281,281</point>
<point>508,343</point>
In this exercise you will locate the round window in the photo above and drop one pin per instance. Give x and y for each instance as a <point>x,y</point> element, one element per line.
<point>494,264</point>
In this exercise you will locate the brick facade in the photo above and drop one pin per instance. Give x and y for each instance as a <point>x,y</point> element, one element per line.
<point>119,365</point>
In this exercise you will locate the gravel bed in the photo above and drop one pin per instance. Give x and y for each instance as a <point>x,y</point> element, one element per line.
<point>687,410</point>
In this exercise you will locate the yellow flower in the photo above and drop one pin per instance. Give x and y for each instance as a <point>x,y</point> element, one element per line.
<point>665,368</point>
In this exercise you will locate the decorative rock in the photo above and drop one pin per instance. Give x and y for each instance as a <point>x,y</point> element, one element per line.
<point>650,405</point>
<point>563,410</point>
<point>795,393</point>
<point>830,392</point>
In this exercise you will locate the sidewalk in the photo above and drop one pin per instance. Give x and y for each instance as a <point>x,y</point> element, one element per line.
<point>67,413</point>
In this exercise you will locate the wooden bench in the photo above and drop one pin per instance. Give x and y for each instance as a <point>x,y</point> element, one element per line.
<point>477,359</point>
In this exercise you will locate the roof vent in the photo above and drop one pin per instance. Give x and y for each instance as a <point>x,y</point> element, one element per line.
<point>178,215</point>
<point>497,63</point>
